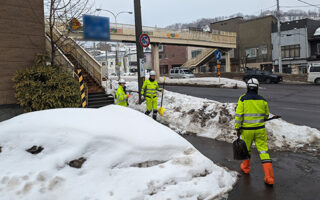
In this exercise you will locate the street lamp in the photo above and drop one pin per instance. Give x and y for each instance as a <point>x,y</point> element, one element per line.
<point>117,47</point>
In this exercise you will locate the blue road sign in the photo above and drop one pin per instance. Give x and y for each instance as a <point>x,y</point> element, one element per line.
<point>96,28</point>
<point>217,54</point>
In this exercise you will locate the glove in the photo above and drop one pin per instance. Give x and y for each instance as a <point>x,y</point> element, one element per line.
<point>128,96</point>
<point>238,132</point>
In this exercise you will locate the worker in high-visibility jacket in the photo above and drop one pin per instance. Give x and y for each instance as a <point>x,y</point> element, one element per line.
<point>121,95</point>
<point>251,113</point>
<point>149,91</point>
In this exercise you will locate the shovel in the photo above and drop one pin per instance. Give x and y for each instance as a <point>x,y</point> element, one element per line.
<point>162,109</point>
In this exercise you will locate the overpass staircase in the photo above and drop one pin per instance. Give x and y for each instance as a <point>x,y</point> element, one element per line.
<point>73,57</point>
<point>202,58</point>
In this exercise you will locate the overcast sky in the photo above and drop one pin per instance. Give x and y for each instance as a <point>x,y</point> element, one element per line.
<point>162,13</point>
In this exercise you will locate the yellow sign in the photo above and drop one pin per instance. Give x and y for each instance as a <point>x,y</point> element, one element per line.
<point>75,24</point>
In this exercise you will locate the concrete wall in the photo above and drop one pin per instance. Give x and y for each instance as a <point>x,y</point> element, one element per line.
<point>21,38</point>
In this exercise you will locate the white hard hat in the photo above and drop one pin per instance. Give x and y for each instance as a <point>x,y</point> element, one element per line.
<point>152,73</point>
<point>253,82</point>
<point>122,81</point>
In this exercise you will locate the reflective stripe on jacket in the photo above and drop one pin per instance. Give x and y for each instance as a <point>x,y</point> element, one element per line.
<point>149,89</point>
<point>121,97</point>
<point>252,111</point>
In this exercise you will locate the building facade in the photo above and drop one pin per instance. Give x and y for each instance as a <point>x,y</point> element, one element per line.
<point>315,47</point>
<point>22,37</point>
<point>231,25</point>
<point>255,44</point>
<point>298,45</point>
<point>171,56</point>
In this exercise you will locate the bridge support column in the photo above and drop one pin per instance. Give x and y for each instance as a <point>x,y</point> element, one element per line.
<point>228,66</point>
<point>156,63</point>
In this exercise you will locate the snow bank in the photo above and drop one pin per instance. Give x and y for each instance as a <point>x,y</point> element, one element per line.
<point>208,81</point>
<point>212,119</point>
<point>125,155</point>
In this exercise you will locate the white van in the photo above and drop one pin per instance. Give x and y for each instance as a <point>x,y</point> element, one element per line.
<point>181,73</point>
<point>314,73</point>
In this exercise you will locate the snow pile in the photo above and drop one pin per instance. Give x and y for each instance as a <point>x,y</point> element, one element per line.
<point>212,119</point>
<point>108,153</point>
<point>209,81</point>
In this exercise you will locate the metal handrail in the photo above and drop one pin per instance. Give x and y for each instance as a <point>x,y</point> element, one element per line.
<point>93,67</point>
<point>66,64</point>
<point>193,62</point>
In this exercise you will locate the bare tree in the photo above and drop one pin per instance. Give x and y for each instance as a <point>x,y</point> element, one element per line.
<point>59,13</point>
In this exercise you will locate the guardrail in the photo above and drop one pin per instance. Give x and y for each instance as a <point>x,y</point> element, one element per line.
<point>216,36</point>
<point>164,33</point>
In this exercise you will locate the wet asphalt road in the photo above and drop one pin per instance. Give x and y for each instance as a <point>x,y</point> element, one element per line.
<point>297,176</point>
<point>296,103</point>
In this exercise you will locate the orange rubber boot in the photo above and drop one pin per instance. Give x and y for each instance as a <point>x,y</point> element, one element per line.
<point>245,166</point>
<point>268,173</point>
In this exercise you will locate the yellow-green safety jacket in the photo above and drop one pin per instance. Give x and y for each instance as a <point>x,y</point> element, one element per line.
<point>149,89</point>
<point>121,97</point>
<point>252,111</point>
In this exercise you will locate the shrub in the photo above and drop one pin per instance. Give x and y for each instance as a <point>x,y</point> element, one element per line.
<point>44,87</point>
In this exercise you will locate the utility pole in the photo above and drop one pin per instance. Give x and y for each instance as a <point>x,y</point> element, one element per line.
<point>279,37</point>
<point>138,24</point>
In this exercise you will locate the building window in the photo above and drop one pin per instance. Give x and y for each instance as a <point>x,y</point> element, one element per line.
<point>160,56</point>
<point>290,51</point>
<point>318,48</point>
<point>195,53</point>
<point>166,56</point>
<point>160,48</point>
<point>264,50</point>
<point>251,53</point>
<point>164,69</point>
<point>203,69</point>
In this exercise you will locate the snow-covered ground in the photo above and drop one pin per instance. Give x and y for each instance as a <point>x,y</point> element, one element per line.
<point>125,155</point>
<point>212,119</point>
<point>208,81</point>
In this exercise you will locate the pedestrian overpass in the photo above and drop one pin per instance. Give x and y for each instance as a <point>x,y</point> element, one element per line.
<point>72,55</point>
<point>126,33</point>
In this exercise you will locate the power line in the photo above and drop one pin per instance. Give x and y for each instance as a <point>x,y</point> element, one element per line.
<point>309,4</point>
<point>299,6</point>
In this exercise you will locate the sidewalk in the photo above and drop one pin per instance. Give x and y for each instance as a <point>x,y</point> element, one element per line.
<point>297,175</point>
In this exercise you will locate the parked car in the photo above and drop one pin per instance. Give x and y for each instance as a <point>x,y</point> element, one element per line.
<point>314,74</point>
<point>262,76</point>
<point>181,73</point>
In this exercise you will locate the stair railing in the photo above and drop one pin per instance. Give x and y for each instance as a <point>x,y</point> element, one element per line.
<point>68,45</point>
<point>65,63</point>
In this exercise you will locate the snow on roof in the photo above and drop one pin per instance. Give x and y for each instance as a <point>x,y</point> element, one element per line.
<point>317,32</point>
<point>123,154</point>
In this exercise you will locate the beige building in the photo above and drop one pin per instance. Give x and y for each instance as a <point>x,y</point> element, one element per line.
<point>21,38</point>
